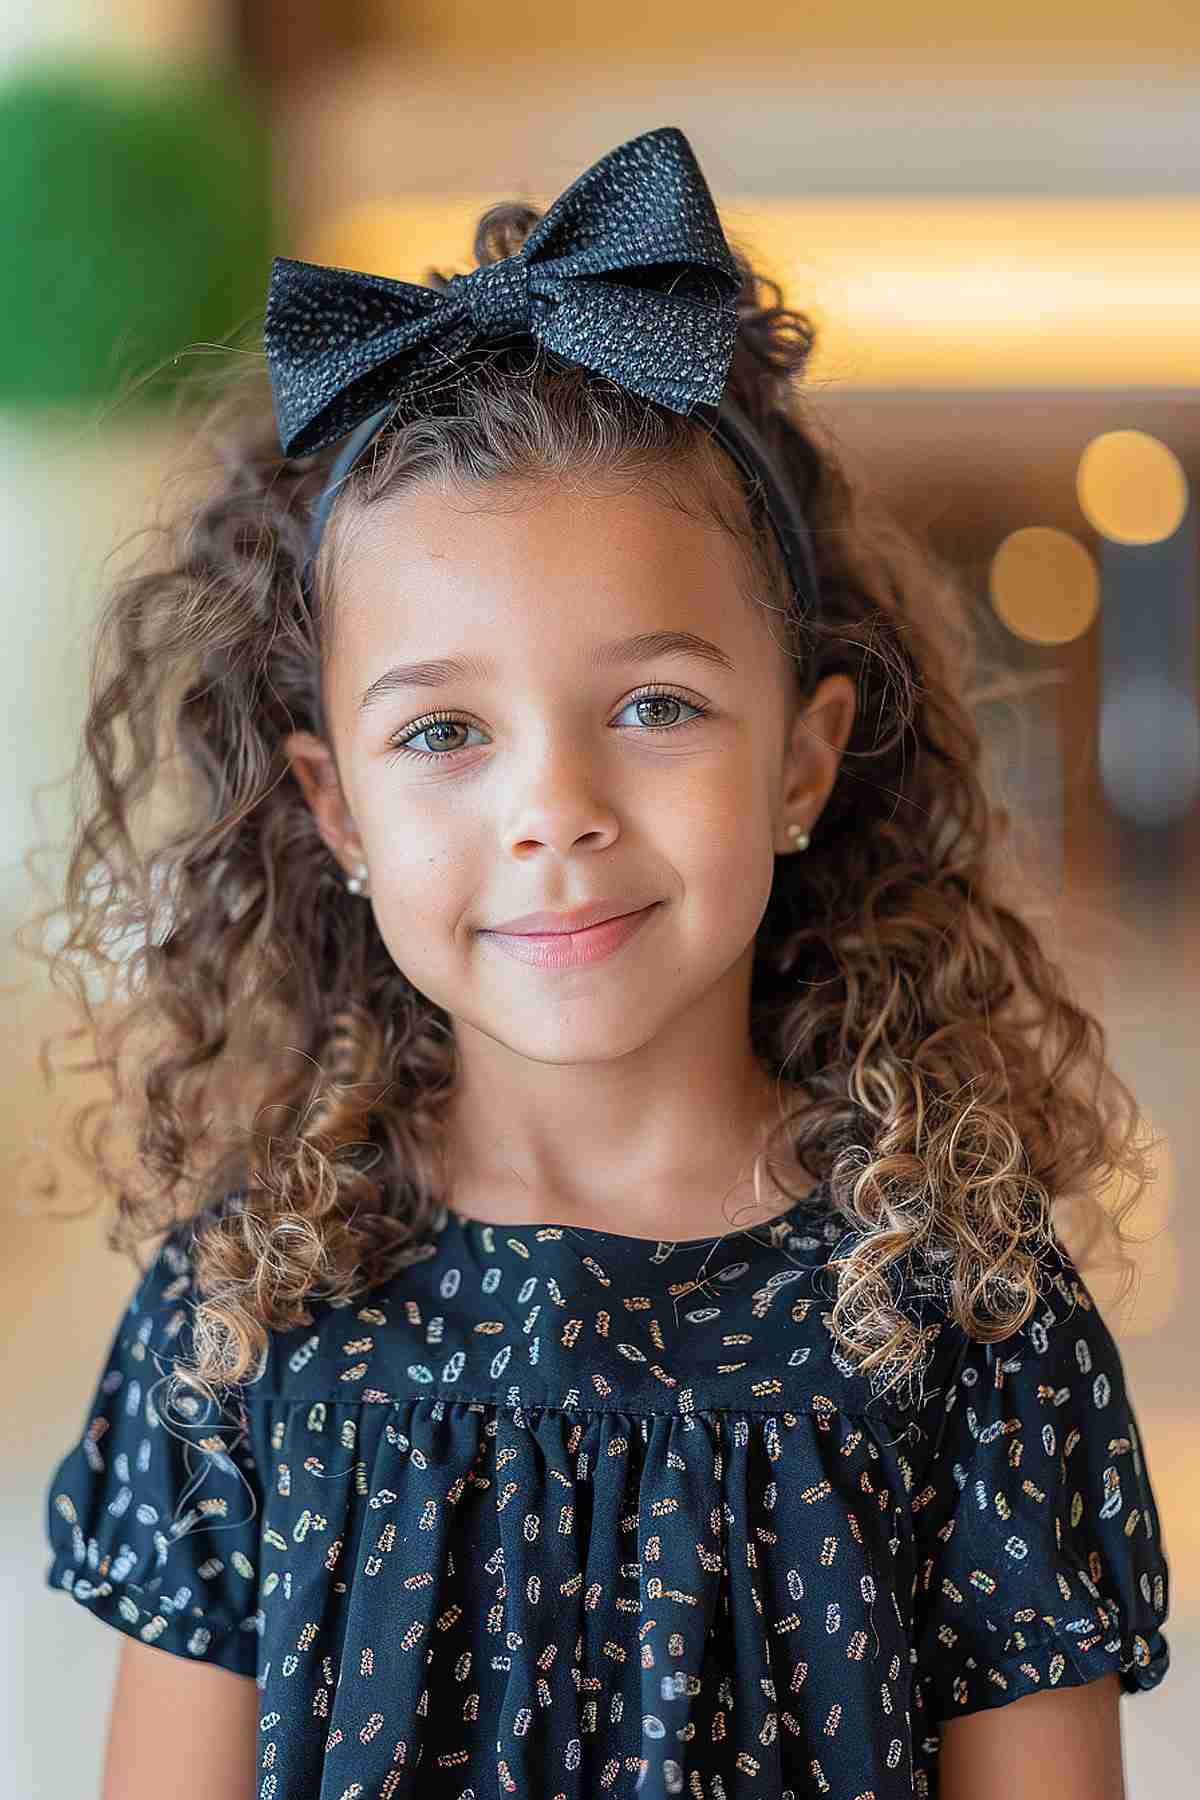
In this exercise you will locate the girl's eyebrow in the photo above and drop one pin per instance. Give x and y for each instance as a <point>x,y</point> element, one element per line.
<point>642,647</point>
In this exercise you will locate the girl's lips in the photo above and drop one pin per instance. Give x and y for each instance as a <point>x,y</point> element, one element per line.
<point>568,949</point>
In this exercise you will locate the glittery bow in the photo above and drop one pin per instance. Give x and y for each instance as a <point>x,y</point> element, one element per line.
<point>628,274</point>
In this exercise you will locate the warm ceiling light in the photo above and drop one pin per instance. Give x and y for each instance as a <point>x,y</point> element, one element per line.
<point>931,291</point>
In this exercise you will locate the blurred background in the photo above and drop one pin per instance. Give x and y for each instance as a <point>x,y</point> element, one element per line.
<point>994,218</point>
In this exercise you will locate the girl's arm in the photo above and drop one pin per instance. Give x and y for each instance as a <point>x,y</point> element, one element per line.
<point>187,1729</point>
<point>1066,1743</point>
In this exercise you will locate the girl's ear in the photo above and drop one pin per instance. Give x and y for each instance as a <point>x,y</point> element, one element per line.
<point>820,732</point>
<point>314,767</point>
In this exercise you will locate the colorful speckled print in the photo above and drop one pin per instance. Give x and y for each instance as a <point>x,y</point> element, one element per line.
<point>561,1513</point>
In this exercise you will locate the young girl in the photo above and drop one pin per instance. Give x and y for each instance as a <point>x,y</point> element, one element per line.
<point>612,1335</point>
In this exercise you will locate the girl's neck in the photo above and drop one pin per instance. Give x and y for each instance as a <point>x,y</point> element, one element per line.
<point>688,1201</point>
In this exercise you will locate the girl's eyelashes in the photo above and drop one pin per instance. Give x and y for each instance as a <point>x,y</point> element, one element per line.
<point>401,739</point>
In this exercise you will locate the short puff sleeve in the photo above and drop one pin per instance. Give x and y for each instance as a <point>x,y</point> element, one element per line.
<point>1039,1555</point>
<point>154,1516</point>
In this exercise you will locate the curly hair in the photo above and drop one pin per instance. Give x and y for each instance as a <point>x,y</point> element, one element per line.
<point>294,1083</point>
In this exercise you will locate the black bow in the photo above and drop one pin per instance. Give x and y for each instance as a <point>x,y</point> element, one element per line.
<point>627,274</point>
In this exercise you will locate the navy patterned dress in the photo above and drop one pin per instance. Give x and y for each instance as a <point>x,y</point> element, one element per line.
<point>560,1513</point>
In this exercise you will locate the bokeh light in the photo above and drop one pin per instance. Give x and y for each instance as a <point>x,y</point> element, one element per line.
<point>1044,585</point>
<point>1131,487</point>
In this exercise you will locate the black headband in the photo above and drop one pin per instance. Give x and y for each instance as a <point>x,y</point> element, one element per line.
<point>732,429</point>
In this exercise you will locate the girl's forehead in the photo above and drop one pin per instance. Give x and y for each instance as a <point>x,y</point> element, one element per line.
<point>432,569</point>
<point>436,518</point>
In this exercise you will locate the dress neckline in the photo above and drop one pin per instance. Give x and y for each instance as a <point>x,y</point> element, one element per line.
<point>627,1239</point>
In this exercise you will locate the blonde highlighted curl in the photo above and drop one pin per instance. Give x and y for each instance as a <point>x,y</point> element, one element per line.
<point>294,1082</point>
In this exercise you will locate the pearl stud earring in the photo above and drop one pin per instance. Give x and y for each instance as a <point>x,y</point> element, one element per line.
<point>357,883</point>
<point>799,837</point>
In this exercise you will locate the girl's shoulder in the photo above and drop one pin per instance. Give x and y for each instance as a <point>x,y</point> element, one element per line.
<point>1065,1313</point>
<point>1059,1377</point>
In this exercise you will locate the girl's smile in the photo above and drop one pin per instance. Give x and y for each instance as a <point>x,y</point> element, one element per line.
<point>567,949</point>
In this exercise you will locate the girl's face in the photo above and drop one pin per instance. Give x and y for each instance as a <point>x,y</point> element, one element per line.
<point>554,787</point>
